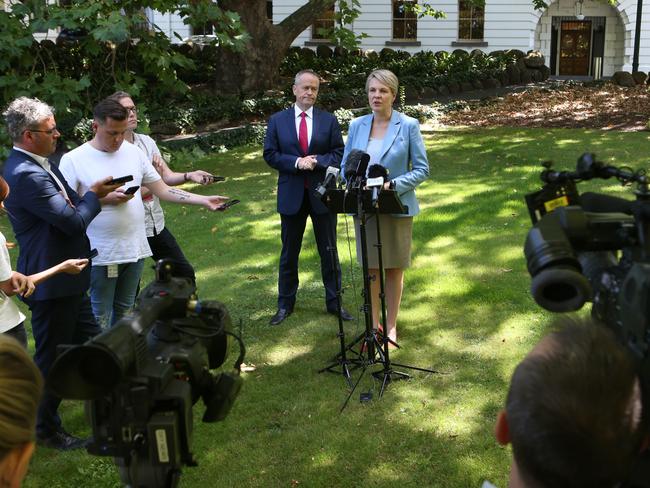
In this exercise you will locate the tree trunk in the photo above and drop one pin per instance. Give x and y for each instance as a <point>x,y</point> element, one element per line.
<point>256,67</point>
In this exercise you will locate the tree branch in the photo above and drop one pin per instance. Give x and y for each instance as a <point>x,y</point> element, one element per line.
<point>302,18</point>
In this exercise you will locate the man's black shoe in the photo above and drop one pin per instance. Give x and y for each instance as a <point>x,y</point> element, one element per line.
<point>345,315</point>
<point>279,316</point>
<point>62,441</point>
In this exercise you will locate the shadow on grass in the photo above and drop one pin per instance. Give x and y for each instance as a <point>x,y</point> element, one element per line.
<point>466,311</point>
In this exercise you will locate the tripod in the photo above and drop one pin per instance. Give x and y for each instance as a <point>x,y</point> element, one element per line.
<point>341,361</point>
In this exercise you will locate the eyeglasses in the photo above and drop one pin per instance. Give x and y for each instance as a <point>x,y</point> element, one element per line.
<point>131,109</point>
<point>48,132</point>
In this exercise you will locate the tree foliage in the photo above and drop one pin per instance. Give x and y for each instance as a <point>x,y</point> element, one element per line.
<point>104,46</point>
<point>112,45</point>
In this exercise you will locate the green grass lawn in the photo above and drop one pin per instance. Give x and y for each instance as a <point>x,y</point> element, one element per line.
<point>466,312</point>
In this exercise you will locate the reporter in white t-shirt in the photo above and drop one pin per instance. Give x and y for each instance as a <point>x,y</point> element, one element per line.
<point>118,232</point>
<point>162,242</point>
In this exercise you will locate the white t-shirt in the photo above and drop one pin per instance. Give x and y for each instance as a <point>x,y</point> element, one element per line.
<point>154,218</point>
<point>10,315</point>
<point>118,231</point>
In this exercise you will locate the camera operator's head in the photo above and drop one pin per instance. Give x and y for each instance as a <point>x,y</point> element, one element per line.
<point>20,392</point>
<point>573,411</point>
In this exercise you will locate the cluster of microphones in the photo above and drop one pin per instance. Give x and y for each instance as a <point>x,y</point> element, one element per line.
<point>357,175</point>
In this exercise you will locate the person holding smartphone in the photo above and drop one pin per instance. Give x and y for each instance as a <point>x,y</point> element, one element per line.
<point>118,232</point>
<point>162,242</point>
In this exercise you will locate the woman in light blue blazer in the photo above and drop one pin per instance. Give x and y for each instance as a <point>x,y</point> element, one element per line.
<point>392,140</point>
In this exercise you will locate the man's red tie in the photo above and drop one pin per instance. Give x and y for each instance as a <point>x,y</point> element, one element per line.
<point>302,135</point>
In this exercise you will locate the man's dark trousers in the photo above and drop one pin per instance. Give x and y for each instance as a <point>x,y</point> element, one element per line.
<point>64,320</point>
<point>293,228</point>
<point>164,246</point>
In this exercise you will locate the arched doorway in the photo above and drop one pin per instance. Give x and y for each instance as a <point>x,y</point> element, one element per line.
<point>582,39</point>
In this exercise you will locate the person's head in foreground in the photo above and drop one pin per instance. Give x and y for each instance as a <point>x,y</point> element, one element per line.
<point>20,391</point>
<point>573,411</point>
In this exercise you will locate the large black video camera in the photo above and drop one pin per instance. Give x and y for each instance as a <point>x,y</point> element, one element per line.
<point>141,377</point>
<point>593,247</point>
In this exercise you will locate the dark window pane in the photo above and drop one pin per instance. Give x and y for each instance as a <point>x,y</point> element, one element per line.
<point>411,30</point>
<point>477,32</point>
<point>203,29</point>
<point>471,21</point>
<point>398,29</point>
<point>324,21</point>
<point>405,22</point>
<point>464,30</point>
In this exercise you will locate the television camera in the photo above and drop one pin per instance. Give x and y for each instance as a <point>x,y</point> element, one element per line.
<point>595,247</point>
<point>141,378</point>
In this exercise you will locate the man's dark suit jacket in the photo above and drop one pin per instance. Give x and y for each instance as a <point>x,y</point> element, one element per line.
<point>48,229</point>
<point>281,148</point>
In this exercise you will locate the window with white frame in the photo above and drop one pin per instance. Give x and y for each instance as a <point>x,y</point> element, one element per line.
<point>471,19</point>
<point>405,20</point>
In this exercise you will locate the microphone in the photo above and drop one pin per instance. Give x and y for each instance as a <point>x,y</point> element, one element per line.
<point>331,175</point>
<point>599,203</point>
<point>363,165</point>
<point>596,202</point>
<point>377,175</point>
<point>356,166</point>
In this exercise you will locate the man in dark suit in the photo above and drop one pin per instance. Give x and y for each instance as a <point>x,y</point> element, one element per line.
<point>301,142</point>
<point>49,220</point>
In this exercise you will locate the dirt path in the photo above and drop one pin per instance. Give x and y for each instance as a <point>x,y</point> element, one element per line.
<point>597,106</point>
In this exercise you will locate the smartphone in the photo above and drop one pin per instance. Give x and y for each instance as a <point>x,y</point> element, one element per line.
<point>121,179</point>
<point>92,254</point>
<point>131,190</point>
<point>229,203</point>
<point>214,178</point>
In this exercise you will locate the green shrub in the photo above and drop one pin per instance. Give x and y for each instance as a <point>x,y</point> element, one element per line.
<point>422,112</point>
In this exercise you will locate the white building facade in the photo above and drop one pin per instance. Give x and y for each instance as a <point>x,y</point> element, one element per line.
<point>577,38</point>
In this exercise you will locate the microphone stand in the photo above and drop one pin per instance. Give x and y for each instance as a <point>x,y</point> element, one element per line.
<point>370,344</point>
<point>387,373</point>
<point>372,350</point>
<point>341,360</point>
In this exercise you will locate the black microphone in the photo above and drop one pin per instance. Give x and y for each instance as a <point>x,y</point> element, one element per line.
<point>596,202</point>
<point>377,176</point>
<point>356,166</point>
<point>351,164</point>
<point>331,175</point>
<point>363,165</point>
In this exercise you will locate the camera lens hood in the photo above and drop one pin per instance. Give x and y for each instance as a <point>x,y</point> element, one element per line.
<point>560,289</point>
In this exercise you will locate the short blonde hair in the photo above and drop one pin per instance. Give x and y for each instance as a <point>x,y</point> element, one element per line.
<point>385,77</point>
<point>21,385</point>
